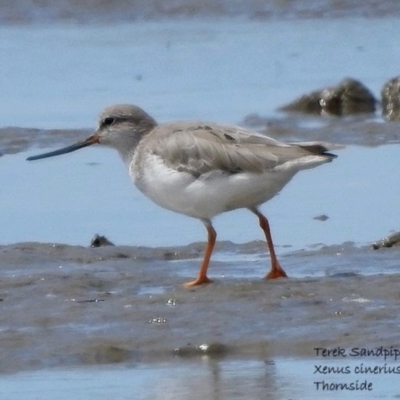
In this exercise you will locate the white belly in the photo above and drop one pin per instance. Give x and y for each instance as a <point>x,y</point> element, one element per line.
<point>208,195</point>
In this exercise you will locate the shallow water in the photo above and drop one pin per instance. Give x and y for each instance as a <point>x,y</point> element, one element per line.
<point>185,70</point>
<point>206,378</point>
<point>45,202</point>
<point>202,69</point>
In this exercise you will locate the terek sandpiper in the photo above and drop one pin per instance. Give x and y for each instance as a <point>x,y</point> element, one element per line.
<point>202,169</point>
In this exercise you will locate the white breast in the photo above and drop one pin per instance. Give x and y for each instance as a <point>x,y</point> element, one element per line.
<point>208,195</point>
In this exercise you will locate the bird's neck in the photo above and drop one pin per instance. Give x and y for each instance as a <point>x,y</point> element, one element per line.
<point>127,155</point>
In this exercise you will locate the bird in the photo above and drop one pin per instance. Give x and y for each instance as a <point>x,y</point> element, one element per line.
<point>202,169</point>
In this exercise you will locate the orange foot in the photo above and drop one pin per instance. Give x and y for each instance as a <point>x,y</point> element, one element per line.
<point>276,273</point>
<point>197,281</point>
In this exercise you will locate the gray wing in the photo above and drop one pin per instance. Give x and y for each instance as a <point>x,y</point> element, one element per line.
<point>199,148</point>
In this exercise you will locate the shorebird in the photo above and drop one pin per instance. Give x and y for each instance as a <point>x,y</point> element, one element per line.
<point>202,169</point>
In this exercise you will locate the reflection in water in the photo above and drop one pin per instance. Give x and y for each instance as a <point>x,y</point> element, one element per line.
<point>196,379</point>
<point>241,379</point>
<point>213,379</point>
<point>206,379</point>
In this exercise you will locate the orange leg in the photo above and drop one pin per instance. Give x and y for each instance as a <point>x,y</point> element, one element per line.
<point>276,270</point>
<point>202,276</point>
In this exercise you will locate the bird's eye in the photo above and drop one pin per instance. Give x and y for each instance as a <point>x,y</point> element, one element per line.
<point>108,121</point>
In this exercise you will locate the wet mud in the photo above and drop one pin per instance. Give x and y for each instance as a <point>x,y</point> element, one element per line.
<point>70,305</point>
<point>118,10</point>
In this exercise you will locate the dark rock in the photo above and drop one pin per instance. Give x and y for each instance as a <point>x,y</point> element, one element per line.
<point>388,241</point>
<point>100,241</point>
<point>349,97</point>
<point>391,99</point>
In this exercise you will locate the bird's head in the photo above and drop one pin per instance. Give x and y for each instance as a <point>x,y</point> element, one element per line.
<point>120,126</point>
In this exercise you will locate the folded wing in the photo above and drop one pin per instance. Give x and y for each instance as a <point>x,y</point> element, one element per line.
<point>203,148</point>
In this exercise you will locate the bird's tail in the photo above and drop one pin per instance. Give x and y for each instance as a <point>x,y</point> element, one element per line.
<point>320,148</point>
